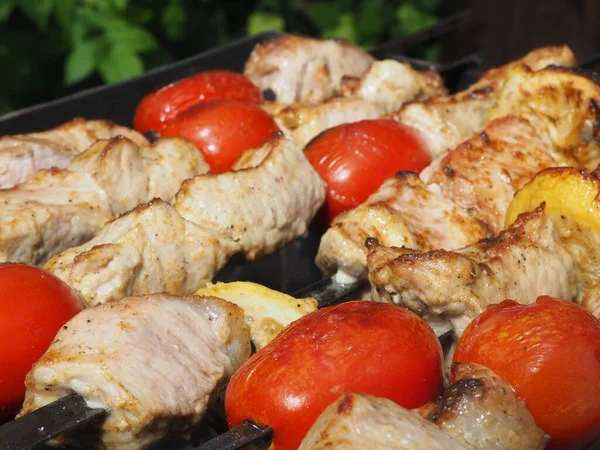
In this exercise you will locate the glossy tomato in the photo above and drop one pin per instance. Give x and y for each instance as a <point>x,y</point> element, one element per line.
<point>34,304</point>
<point>223,129</point>
<point>380,349</point>
<point>355,158</point>
<point>550,353</point>
<point>158,108</point>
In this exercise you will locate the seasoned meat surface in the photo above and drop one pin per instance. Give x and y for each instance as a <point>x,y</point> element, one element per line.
<point>61,208</point>
<point>403,212</point>
<point>302,69</point>
<point>23,154</point>
<point>155,362</point>
<point>481,408</point>
<point>525,261</point>
<point>149,249</point>
<point>384,88</point>
<point>363,422</point>
<point>54,210</point>
<point>483,173</point>
<point>266,200</point>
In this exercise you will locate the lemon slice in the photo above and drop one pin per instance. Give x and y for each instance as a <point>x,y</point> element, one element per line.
<point>267,311</point>
<point>565,190</point>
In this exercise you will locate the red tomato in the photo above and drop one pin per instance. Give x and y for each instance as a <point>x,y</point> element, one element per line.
<point>158,108</point>
<point>34,304</point>
<point>223,129</point>
<point>380,349</point>
<point>355,158</point>
<point>550,353</point>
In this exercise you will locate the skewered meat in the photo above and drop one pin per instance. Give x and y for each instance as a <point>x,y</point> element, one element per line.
<point>266,201</point>
<point>60,208</point>
<point>481,175</point>
<point>403,212</point>
<point>481,408</point>
<point>363,422</point>
<point>301,69</point>
<point>444,122</point>
<point>155,362</point>
<point>525,261</point>
<point>382,89</point>
<point>23,154</point>
<point>591,300</point>
<point>149,249</point>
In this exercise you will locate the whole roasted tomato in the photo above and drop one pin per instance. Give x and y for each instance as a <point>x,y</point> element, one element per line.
<point>223,129</point>
<point>34,304</point>
<point>550,353</point>
<point>379,349</point>
<point>354,159</point>
<point>160,107</point>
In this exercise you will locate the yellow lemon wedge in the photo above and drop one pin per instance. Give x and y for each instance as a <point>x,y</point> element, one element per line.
<point>565,191</point>
<point>267,311</point>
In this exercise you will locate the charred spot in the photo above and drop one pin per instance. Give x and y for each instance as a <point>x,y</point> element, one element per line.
<point>269,95</point>
<point>449,172</point>
<point>481,92</point>
<point>371,242</point>
<point>406,173</point>
<point>345,404</point>
<point>471,388</point>
<point>485,138</point>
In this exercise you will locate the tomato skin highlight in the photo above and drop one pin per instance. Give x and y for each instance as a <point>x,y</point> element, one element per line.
<point>550,353</point>
<point>160,107</point>
<point>223,129</point>
<point>34,304</point>
<point>354,159</point>
<point>376,348</point>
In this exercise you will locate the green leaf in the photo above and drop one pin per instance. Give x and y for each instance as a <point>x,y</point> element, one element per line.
<point>38,11</point>
<point>324,14</point>
<point>64,12</point>
<point>6,7</point>
<point>173,19</point>
<point>83,60</point>
<point>344,29</point>
<point>119,64</point>
<point>119,5</point>
<point>413,19</point>
<point>259,22</point>
<point>138,39</point>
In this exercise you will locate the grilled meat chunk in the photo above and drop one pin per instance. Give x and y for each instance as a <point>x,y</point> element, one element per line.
<point>444,122</point>
<point>363,422</point>
<point>156,363</point>
<point>23,154</point>
<point>403,212</point>
<point>384,88</point>
<point>525,261</point>
<point>301,69</point>
<point>591,300</point>
<point>60,208</point>
<point>149,249</point>
<point>483,173</point>
<point>54,210</point>
<point>481,408</point>
<point>265,201</point>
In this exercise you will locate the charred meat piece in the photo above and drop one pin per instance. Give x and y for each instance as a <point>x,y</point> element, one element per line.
<point>527,260</point>
<point>481,408</point>
<point>149,249</point>
<point>403,212</point>
<point>156,363</point>
<point>60,208</point>
<point>266,200</point>
<point>363,422</point>
<point>23,154</point>
<point>302,69</point>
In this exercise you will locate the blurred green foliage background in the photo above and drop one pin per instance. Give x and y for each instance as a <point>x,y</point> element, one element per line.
<point>49,48</point>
